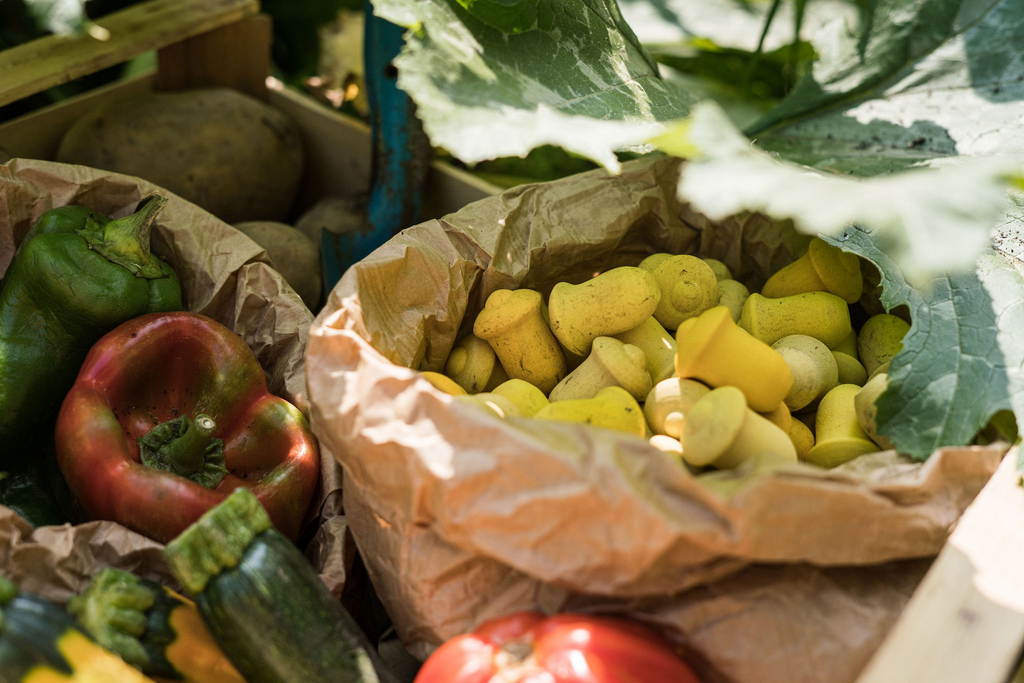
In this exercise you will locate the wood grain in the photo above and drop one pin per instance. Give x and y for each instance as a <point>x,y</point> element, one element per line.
<point>233,56</point>
<point>966,620</point>
<point>35,66</point>
<point>38,134</point>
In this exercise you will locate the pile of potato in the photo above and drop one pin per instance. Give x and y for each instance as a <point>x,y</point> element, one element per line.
<point>780,375</point>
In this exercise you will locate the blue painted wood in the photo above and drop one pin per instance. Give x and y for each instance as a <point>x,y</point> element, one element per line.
<point>401,155</point>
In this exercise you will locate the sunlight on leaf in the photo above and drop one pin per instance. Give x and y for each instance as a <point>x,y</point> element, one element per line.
<point>578,78</point>
<point>677,141</point>
<point>928,220</point>
<point>62,17</point>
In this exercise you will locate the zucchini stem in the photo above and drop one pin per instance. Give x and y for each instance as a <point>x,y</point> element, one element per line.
<point>217,541</point>
<point>113,611</point>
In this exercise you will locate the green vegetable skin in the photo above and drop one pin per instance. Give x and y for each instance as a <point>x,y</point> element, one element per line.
<point>270,612</point>
<point>76,276</point>
<point>39,642</point>
<point>152,628</point>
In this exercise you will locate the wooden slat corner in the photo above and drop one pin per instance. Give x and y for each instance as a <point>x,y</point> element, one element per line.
<point>43,63</point>
<point>965,622</point>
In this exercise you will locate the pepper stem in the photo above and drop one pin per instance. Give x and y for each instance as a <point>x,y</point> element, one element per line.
<point>186,448</point>
<point>185,453</point>
<point>125,241</point>
<point>131,233</point>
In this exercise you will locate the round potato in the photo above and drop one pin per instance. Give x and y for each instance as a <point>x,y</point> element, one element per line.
<point>338,215</point>
<point>292,254</point>
<point>236,157</point>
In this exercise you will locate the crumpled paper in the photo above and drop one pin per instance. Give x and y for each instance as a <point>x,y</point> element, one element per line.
<point>462,517</point>
<point>794,623</point>
<point>224,275</point>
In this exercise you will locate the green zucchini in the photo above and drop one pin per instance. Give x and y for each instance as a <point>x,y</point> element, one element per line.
<point>29,629</point>
<point>151,627</point>
<point>39,642</point>
<point>270,612</point>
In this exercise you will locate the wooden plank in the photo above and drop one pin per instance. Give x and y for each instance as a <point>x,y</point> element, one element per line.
<point>338,149</point>
<point>35,66</point>
<point>37,135</point>
<point>966,620</point>
<point>339,156</point>
<point>233,56</point>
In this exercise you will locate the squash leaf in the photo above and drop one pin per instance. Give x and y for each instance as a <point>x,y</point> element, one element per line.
<point>962,360</point>
<point>503,77</point>
<point>925,81</point>
<point>928,220</point>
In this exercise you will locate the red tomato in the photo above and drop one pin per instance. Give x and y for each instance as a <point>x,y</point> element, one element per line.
<point>528,647</point>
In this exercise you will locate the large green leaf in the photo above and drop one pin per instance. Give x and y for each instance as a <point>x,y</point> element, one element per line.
<point>928,220</point>
<point>962,360</point>
<point>936,83</point>
<point>928,80</point>
<point>570,73</point>
<point>896,36</point>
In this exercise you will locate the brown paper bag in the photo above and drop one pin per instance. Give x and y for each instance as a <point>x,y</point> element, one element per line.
<point>461,516</point>
<point>224,275</point>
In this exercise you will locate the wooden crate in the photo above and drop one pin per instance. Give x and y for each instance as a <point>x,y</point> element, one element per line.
<point>965,622</point>
<point>202,43</point>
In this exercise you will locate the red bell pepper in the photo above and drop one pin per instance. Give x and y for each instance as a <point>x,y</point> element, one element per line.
<point>170,413</point>
<point>528,647</point>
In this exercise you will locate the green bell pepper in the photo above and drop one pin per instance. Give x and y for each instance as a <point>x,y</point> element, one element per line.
<point>76,276</point>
